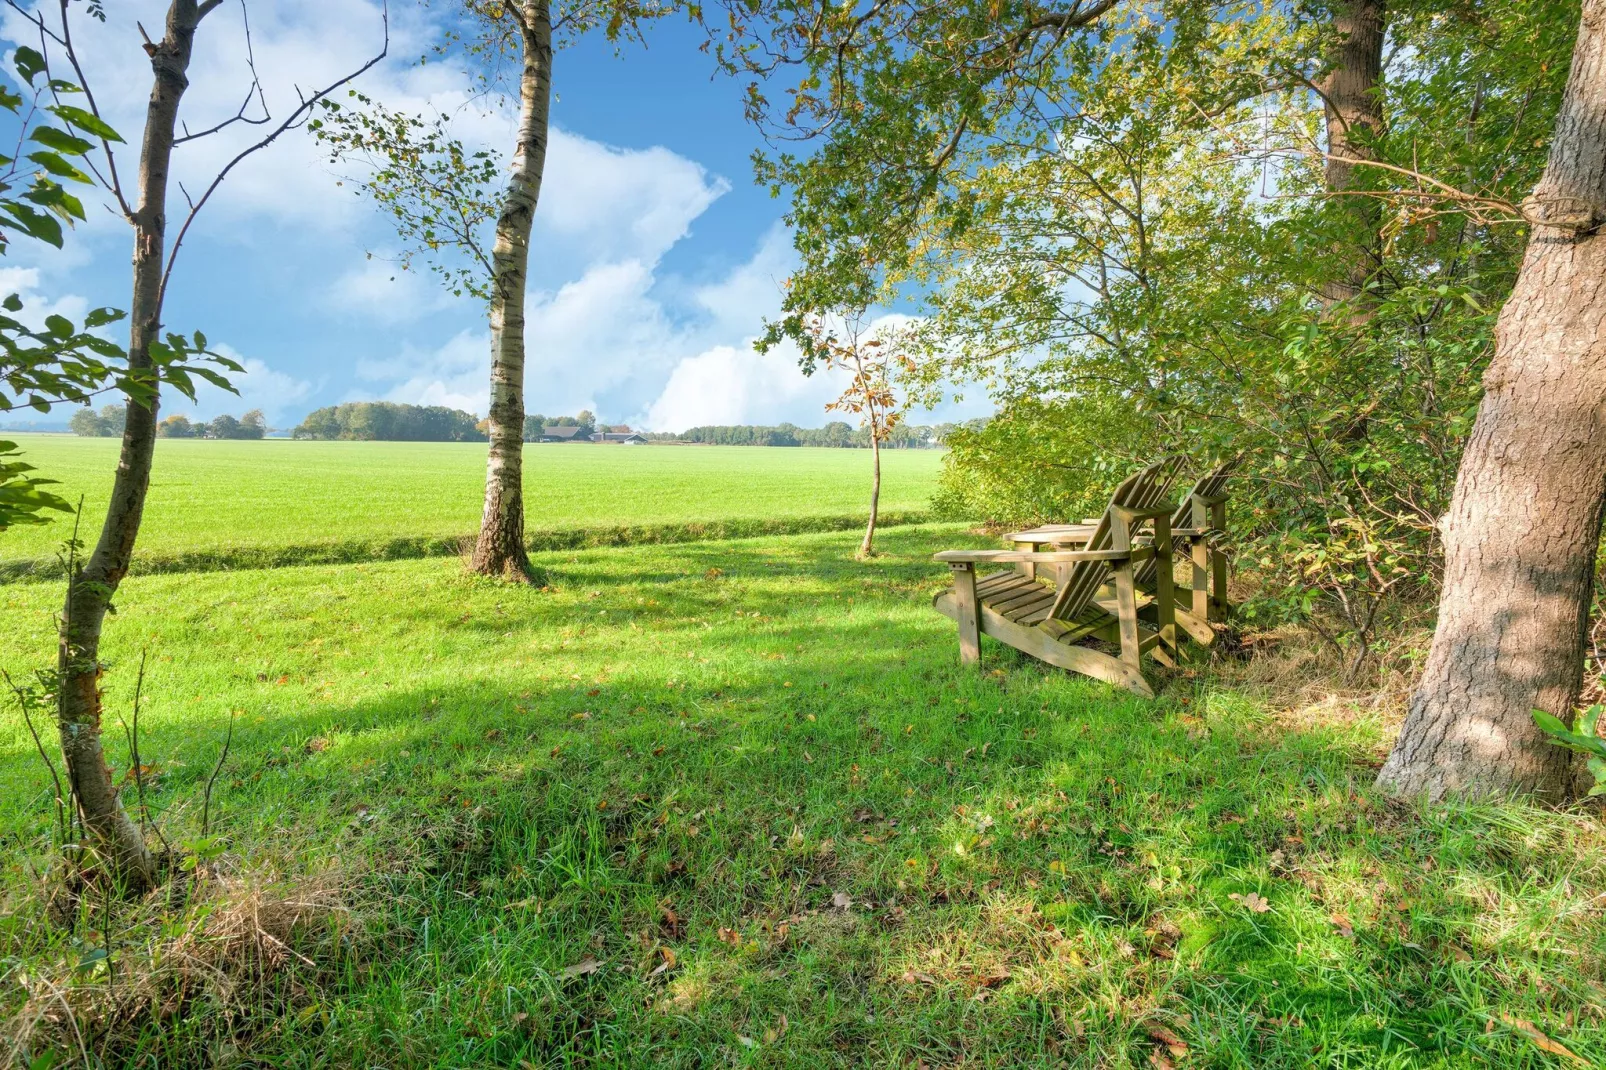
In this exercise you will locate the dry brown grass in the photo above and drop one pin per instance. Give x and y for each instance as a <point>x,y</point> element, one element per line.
<point>230,954</point>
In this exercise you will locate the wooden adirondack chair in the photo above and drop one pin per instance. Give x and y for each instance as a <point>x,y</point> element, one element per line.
<point>1049,623</point>
<point>1196,528</point>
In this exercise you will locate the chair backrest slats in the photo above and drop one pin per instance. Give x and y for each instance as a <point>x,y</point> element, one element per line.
<point>1142,490</point>
<point>1210,485</point>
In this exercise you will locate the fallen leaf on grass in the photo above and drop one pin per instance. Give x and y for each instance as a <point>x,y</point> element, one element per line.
<point>1174,1044</point>
<point>668,963</point>
<point>777,1031</point>
<point>1341,923</point>
<point>996,976</point>
<point>841,900</point>
<point>1541,1040</point>
<point>913,976</point>
<point>1252,901</point>
<point>582,968</point>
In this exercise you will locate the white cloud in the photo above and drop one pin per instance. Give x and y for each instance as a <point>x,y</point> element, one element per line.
<point>456,375</point>
<point>730,385</point>
<point>614,204</point>
<point>298,45</point>
<point>24,282</point>
<point>281,397</point>
<point>381,289</point>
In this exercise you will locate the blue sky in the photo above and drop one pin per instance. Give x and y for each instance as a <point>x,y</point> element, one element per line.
<point>654,260</point>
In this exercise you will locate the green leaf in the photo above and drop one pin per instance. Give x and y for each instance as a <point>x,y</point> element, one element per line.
<point>99,317</point>
<point>60,140</point>
<point>29,63</point>
<point>91,959</point>
<point>1551,723</point>
<point>87,121</point>
<point>60,326</point>
<point>48,1060</point>
<point>57,200</point>
<point>214,378</point>
<point>53,163</point>
<point>181,381</point>
<point>35,223</point>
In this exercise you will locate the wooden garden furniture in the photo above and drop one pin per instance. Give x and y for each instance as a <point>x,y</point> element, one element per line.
<point>1054,623</point>
<point>1197,528</point>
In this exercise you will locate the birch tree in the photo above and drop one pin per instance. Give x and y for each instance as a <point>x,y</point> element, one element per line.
<point>440,196</point>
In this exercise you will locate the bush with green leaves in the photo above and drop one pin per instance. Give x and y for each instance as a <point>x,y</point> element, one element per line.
<point>1584,737</point>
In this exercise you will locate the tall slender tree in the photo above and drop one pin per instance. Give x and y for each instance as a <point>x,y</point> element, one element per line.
<point>1524,525</point>
<point>440,196</point>
<point>499,549</point>
<point>152,359</point>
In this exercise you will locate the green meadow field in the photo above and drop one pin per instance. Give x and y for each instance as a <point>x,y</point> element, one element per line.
<point>250,499</point>
<point>733,803</point>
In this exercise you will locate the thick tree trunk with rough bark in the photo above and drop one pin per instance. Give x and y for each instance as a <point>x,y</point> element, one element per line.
<point>499,550</point>
<point>90,594</point>
<point>1525,521</point>
<point>1354,108</point>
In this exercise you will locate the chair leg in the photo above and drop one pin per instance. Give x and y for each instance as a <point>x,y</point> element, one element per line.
<point>1126,602</point>
<point>969,613</point>
<point>1218,563</point>
<point>1164,585</point>
<point>1199,551</point>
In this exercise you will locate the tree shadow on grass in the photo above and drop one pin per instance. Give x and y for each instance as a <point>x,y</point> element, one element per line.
<point>772,821</point>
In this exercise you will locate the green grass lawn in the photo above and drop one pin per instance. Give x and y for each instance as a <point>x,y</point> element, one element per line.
<point>736,804</point>
<point>222,497</point>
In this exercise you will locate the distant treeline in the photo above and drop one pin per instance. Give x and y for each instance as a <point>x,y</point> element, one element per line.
<point>111,419</point>
<point>837,434</point>
<point>386,421</point>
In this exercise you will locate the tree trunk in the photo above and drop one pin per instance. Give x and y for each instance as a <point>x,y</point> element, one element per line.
<point>90,594</point>
<point>499,551</point>
<point>1354,106</point>
<point>867,548</point>
<point>1525,522</point>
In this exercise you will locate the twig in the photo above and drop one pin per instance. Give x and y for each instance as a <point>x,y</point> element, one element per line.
<point>206,801</point>
<point>253,90</point>
<point>295,119</point>
<point>133,753</point>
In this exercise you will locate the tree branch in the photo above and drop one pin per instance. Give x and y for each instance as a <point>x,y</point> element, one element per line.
<point>292,121</point>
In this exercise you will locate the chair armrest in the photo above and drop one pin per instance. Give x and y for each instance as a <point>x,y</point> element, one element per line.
<point>989,557</point>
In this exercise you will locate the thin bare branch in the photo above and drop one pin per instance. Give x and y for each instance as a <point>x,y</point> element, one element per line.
<point>291,122</point>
